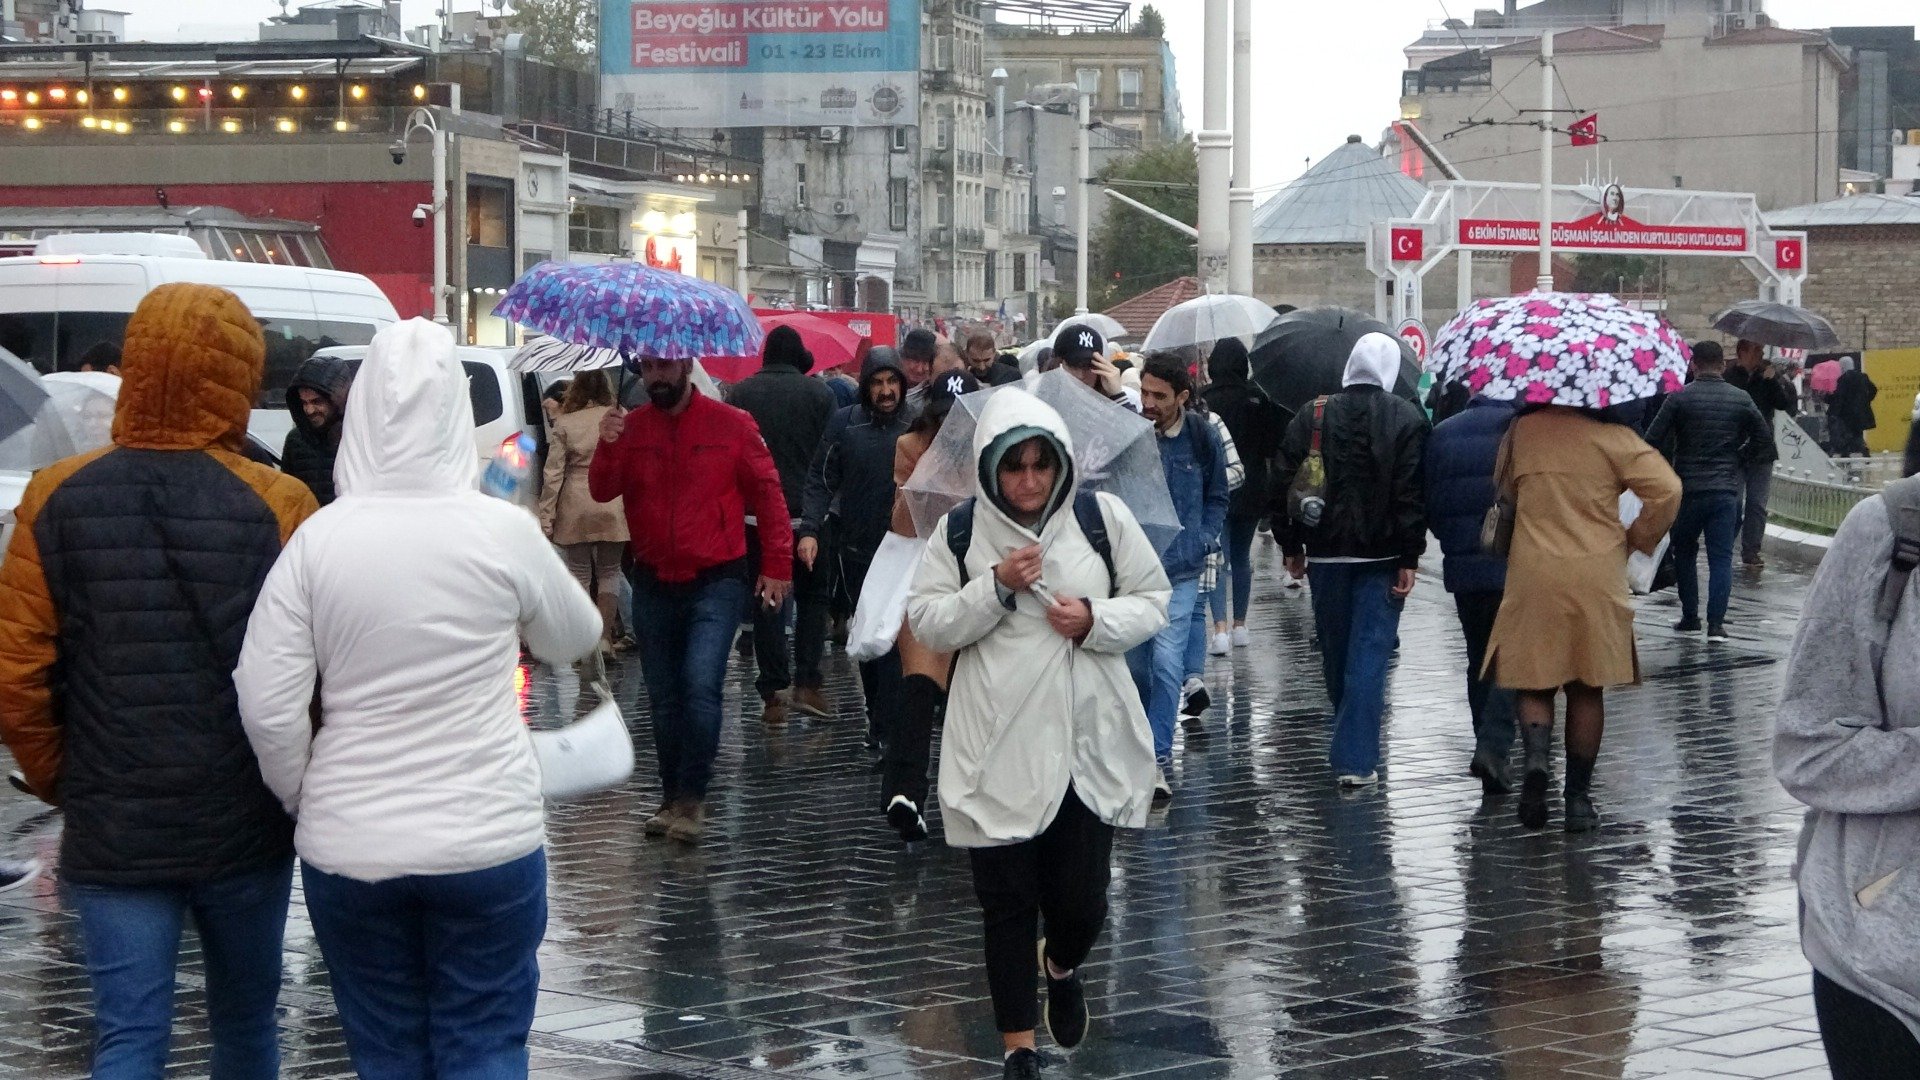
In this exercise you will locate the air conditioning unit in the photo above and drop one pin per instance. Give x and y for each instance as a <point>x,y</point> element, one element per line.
<point>833,136</point>
<point>840,207</point>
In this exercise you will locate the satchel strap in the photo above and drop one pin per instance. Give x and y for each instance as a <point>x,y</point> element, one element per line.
<point>1319,418</point>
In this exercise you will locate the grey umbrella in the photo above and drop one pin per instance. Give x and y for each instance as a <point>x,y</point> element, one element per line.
<point>1777,324</point>
<point>31,433</point>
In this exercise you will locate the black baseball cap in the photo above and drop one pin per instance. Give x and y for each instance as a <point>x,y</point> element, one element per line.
<point>1077,344</point>
<point>946,387</point>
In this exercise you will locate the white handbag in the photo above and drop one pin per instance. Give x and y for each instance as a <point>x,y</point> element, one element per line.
<point>883,597</point>
<point>591,754</point>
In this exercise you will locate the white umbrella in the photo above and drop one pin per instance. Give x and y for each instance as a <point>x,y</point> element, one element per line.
<point>545,354</point>
<point>1105,325</point>
<point>1206,319</point>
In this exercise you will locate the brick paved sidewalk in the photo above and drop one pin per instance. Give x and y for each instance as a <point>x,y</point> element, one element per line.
<point>1267,924</point>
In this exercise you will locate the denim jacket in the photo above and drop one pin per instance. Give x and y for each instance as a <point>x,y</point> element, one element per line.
<point>1196,466</point>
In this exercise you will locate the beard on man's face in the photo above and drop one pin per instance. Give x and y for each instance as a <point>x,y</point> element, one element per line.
<point>665,394</point>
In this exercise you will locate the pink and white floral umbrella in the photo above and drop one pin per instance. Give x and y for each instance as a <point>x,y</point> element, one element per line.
<point>1586,350</point>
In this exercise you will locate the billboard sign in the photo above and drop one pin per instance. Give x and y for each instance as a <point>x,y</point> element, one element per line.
<point>760,63</point>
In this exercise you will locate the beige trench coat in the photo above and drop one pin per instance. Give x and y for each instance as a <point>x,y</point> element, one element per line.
<point>567,512</point>
<point>1567,616</point>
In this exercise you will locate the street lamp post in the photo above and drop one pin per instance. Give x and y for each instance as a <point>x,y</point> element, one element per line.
<point>424,120</point>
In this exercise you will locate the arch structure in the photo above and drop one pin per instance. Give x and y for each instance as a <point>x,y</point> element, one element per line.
<point>1464,216</point>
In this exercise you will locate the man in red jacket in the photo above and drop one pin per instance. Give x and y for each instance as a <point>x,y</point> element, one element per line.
<point>690,470</point>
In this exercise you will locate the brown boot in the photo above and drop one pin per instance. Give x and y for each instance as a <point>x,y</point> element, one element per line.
<point>662,819</point>
<point>689,821</point>
<point>809,700</point>
<point>775,712</point>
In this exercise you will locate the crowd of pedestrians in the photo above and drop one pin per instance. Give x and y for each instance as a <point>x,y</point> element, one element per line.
<point>339,684</point>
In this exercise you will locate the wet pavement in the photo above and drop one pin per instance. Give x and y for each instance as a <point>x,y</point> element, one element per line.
<point>1267,924</point>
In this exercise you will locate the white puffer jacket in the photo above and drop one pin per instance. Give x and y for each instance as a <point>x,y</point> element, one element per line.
<point>407,598</point>
<point>1029,712</point>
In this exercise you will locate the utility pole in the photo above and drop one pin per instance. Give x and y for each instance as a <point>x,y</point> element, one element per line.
<point>1215,143</point>
<point>1544,282</point>
<point>1240,199</point>
<point>1086,196</point>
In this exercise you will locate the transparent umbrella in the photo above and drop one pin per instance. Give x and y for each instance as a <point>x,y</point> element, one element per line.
<point>31,434</point>
<point>83,401</point>
<point>1206,319</point>
<point>1113,449</point>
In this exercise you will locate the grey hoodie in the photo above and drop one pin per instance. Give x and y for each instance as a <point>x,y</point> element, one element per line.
<point>1848,745</point>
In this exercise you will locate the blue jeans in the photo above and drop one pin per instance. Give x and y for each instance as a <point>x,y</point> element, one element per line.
<point>1239,551</point>
<point>1159,666</point>
<point>1199,632</point>
<point>686,632</point>
<point>131,938</point>
<point>1716,514</point>
<point>1358,621</point>
<point>434,975</point>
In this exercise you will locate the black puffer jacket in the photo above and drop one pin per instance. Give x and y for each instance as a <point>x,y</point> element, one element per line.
<point>1253,420</point>
<point>792,410</point>
<point>124,599</point>
<point>309,450</point>
<point>855,464</point>
<point>1711,431</point>
<point>1373,443</point>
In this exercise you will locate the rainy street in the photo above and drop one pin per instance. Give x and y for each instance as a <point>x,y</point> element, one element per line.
<point>1267,924</point>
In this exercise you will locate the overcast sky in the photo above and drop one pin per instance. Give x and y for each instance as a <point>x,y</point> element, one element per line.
<point>1323,70</point>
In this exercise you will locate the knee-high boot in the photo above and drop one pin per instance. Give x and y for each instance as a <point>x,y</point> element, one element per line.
<point>1538,770</point>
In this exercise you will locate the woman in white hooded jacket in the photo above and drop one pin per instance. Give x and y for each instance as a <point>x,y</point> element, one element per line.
<point>415,789</point>
<point>1047,747</point>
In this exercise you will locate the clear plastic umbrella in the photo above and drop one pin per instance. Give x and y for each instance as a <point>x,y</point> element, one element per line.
<point>1206,319</point>
<point>83,401</point>
<point>1105,325</point>
<point>1113,449</point>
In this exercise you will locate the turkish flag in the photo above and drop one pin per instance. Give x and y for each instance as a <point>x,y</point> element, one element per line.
<point>1789,254</point>
<point>1409,245</point>
<point>1586,130</point>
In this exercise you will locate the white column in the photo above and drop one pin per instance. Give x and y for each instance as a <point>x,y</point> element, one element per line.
<point>440,212</point>
<point>1240,199</point>
<point>1085,194</point>
<point>1215,145</point>
<point>1463,291</point>
<point>1544,282</point>
<point>742,246</point>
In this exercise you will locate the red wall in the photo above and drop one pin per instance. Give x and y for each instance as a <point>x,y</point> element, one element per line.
<point>367,227</point>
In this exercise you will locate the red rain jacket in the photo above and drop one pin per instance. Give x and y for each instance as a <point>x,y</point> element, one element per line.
<point>689,482</point>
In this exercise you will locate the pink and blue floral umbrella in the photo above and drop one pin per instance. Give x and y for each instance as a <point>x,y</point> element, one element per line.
<point>1586,350</point>
<point>634,309</point>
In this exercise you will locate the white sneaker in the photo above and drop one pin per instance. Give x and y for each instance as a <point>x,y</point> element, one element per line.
<point>1241,639</point>
<point>1194,698</point>
<point>15,873</point>
<point>1222,644</point>
<point>1355,780</point>
<point>1162,791</point>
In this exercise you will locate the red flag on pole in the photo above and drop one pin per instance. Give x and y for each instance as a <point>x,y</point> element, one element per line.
<point>1586,130</point>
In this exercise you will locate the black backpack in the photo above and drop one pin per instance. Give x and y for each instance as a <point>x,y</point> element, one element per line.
<point>1086,511</point>
<point>1903,511</point>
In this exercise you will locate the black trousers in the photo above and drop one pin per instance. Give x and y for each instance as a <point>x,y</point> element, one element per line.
<point>1863,1040</point>
<point>1061,876</point>
<point>811,600</point>
<point>905,723</point>
<point>1492,707</point>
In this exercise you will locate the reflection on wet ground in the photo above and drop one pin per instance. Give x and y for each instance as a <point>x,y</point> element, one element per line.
<point>1265,925</point>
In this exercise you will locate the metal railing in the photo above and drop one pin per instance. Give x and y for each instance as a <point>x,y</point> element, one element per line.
<point>1800,499</point>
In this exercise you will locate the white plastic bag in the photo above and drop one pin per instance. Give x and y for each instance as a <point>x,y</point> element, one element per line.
<point>1641,569</point>
<point>592,754</point>
<point>883,597</point>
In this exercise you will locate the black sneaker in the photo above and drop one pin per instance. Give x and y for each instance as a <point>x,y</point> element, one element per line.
<point>1687,626</point>
<point>906,819</point>
<point>14,874</point>
<point>1194,698</point>
<point>1717,633</point>
<point>1066,1007</point>
<point>1023,1064</point>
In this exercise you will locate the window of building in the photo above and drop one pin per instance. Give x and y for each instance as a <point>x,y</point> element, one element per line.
<point>943,127</point>
<point>594,229</point>
<point>898,191</point>
<point>990,270</point>
<point>489,216</point>
<point>993,206</point>
<point>1088,80</point>
<point>900,140</point>
<point>1131,81</point>
<point>942,204</point>
<point>942,52</point>
<point>1019,273</point>
<point>800,184</point>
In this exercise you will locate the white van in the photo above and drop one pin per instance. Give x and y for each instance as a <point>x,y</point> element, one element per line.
<point>505,403</point>
<point>65,307</point>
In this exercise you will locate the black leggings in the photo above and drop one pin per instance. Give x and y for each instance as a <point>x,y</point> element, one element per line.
<point>1863,1040</point>
<point>906,732</point>
<point>1062,874</point>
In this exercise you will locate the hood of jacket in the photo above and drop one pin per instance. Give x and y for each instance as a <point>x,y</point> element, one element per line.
<point>785,348</point>
<point>329,375</point>
<point>1375,361</point>
<point>411,428</point>
<point>1010,418</point>
<point>190,369</point>
<point>881,358</point>
<point>1228,363</point>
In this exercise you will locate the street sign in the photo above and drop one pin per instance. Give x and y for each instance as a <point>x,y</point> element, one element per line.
<point>1414,333</point>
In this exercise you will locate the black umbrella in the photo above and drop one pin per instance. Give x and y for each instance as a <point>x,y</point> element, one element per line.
<point>1304,355</point>
<point>1777,324</point>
